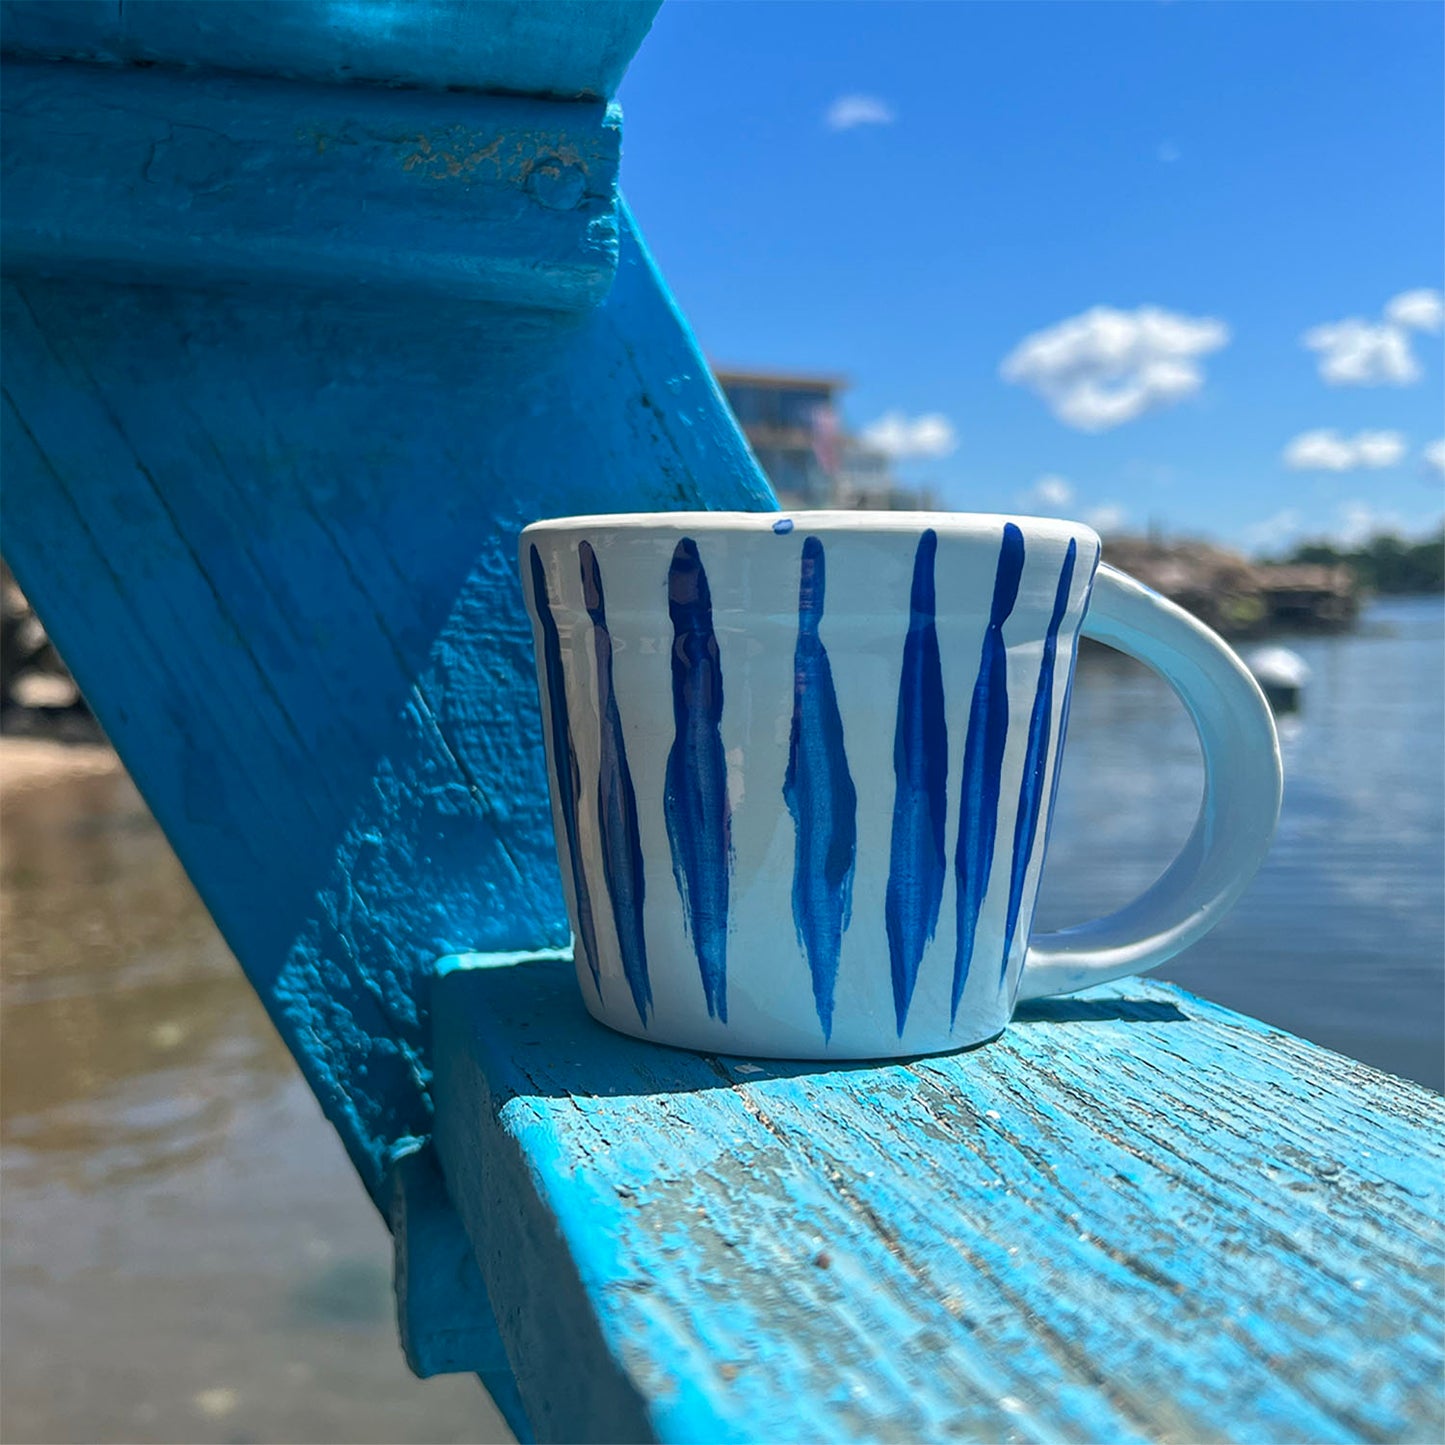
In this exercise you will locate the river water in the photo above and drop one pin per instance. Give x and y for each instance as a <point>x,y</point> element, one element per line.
<point>186,1254</point>
<point>1341,937</point>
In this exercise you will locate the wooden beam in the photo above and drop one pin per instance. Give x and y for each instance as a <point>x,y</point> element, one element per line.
<point>567,49</point>
<point>165,178</point>
<point>1136,1216</point>
<point>443,1314</point>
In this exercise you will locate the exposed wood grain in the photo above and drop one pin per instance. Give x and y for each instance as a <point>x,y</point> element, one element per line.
<point>1137,1216</point>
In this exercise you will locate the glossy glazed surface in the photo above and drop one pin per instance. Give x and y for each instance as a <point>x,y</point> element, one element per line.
<point>850,724</point>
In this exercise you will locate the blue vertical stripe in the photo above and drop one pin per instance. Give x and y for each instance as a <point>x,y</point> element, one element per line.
<point>564,765</point>
<point>918,858</point>
<point>695,799</point>
<point>1068,700</point>
<point>983,760</point>
<point>820,796</point>
<point>1036,759</point>
<point>616,800</point>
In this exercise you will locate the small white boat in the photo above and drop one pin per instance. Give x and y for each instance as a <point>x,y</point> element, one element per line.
<point>1281,675</point>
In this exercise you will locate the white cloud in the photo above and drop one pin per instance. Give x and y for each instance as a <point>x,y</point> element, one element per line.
<point>1422,310</point>
<point>906,438</point>
<point>1355,352</point>
<point>1106,367</point>
<point>1434,456</point>
<point>1051,493</point>
<point>1377,449</point>
<point>1327,451</point>
<point>1107,518</point>
<point>1358,353</point>
<point>1358,521</point>
<point>849,111</point>
<point>1272,534</point>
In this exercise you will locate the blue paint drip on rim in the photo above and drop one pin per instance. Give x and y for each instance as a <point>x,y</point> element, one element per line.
<point>820,796</point>
<point>918,855</point>
<point>695,798</point>
<point>616,800</point>
<point>1036,760</point>
<point>983,760</point>
<point>564,765</point>
<point>783,526</point>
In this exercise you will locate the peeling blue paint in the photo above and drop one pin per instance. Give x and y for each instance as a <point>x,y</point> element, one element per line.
<point>695,799</point>
<point>1038,1180</point>
<point>819,791</point>
<point>918,857</point>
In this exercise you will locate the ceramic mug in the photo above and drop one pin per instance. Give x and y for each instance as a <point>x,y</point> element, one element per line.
<point>803,769</point>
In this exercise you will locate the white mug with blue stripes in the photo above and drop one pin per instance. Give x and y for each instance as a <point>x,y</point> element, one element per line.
<point>803,768</point>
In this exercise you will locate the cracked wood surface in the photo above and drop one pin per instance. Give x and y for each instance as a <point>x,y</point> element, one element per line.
<point>1137,1216</point>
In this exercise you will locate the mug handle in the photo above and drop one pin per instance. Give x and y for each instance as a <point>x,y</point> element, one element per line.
<point>1243,783</point>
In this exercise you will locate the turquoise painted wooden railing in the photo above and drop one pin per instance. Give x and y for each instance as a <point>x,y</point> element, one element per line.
<point>308,307</point>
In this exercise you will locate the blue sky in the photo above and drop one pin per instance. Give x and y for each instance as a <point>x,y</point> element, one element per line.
<point>907,192</point>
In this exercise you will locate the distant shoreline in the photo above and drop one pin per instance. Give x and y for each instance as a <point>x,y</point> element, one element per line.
<point>30,760</point>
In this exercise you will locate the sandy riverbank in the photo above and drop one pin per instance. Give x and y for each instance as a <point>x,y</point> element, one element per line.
<point>37,762</point>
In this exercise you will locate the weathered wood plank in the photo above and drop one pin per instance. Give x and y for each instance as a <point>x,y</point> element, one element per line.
<point>570,49</point>
<point>1137,1216</point>
<point>202,180</point>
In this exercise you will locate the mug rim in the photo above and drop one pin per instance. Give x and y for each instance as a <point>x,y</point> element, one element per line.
<point>808,520</point>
